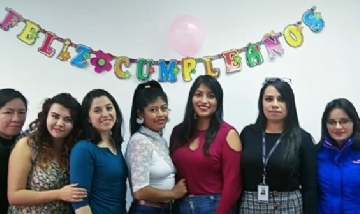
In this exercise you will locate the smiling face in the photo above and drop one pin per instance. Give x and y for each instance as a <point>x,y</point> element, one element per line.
<point>155,115</point>
<point>102,114</point>
<point>339,125</point>
<point>59,122</point>
<point>12,118</point>
<point>274,107</point>
<point>204,102</point>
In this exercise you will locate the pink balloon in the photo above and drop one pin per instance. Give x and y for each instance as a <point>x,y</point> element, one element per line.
<point>186,35</point>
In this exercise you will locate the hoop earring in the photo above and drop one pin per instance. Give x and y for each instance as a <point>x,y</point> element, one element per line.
<point>139,120</point>
<point>195,116</point>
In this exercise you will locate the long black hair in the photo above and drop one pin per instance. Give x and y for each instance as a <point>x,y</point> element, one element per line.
<point>89,133</point>
<point>350,110</point>
<point>187,128</point>
<point>292,131</point>
<point>145,93</point>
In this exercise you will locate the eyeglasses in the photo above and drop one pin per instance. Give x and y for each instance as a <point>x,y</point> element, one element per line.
<point>342,122</point>
<point>277,79</point>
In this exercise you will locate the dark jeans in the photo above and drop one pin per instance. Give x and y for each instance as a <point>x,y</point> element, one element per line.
<point>196,204</point>
<point>143,209</point>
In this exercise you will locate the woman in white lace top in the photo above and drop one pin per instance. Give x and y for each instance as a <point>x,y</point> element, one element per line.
<point>151,171</point>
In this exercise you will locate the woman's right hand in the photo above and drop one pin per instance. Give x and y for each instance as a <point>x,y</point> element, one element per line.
<point>72,193</point>
<point>180,189</point>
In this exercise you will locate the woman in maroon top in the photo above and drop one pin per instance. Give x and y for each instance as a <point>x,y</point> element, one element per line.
<point>206,152</point>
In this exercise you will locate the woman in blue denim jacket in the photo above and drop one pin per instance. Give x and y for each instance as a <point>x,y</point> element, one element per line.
<point>339,159</point>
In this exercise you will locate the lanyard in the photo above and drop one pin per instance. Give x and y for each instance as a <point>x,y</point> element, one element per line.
<point>265,158</point>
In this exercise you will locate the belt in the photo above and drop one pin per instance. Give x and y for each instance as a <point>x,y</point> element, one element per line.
<point>165,205</point>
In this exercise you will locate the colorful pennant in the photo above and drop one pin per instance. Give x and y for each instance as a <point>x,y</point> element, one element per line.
<point>168,71</point>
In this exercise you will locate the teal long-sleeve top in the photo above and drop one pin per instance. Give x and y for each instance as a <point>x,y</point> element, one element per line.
<point>103,174</point>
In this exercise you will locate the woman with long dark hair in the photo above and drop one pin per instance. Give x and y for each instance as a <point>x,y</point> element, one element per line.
<point>206,152</point>
<point>339,159</point>
<point>279,157</point>
<point>38,180</point>
<point>96,162</point>
<point>13,109</point>
<point>151,171</point>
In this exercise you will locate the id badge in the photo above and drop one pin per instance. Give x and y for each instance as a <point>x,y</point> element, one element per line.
<point>263,193</point>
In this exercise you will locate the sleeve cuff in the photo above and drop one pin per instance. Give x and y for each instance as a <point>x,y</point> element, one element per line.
<point>80,204</point>
<point>139,187</point>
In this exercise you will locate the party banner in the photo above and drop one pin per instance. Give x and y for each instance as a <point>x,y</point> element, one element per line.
<point>167,70</point>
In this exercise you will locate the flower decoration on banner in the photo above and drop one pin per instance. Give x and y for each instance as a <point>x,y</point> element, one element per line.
<point>101,61</point>
<point>87,56</point>
<point>34,34</point>
<point>176,70</point>
<point>151,70</point>
<point>14,23</point>
<point>168,70</point>
<point>317,15</point>
<point>237,59</point>
<point>127,75</point>
<point>65,56</point>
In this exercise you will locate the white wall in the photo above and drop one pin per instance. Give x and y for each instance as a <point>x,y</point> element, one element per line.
<point>323,68</point>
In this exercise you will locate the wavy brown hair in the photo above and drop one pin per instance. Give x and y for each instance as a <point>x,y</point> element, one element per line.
<point>40,137</point>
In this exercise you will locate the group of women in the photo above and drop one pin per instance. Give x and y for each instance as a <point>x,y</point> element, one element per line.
<point>69,160</point>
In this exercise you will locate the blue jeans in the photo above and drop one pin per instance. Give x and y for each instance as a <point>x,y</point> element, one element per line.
<point>196,204</point>
<point>143,209</point>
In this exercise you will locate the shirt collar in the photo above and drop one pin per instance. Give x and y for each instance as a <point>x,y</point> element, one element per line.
<point>150,133</point>
<point>346,143</point>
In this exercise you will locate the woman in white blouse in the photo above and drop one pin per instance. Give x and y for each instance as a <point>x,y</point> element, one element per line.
<point>151,171</point>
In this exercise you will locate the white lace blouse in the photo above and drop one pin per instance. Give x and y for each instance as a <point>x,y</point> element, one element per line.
<point>148,160</point>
